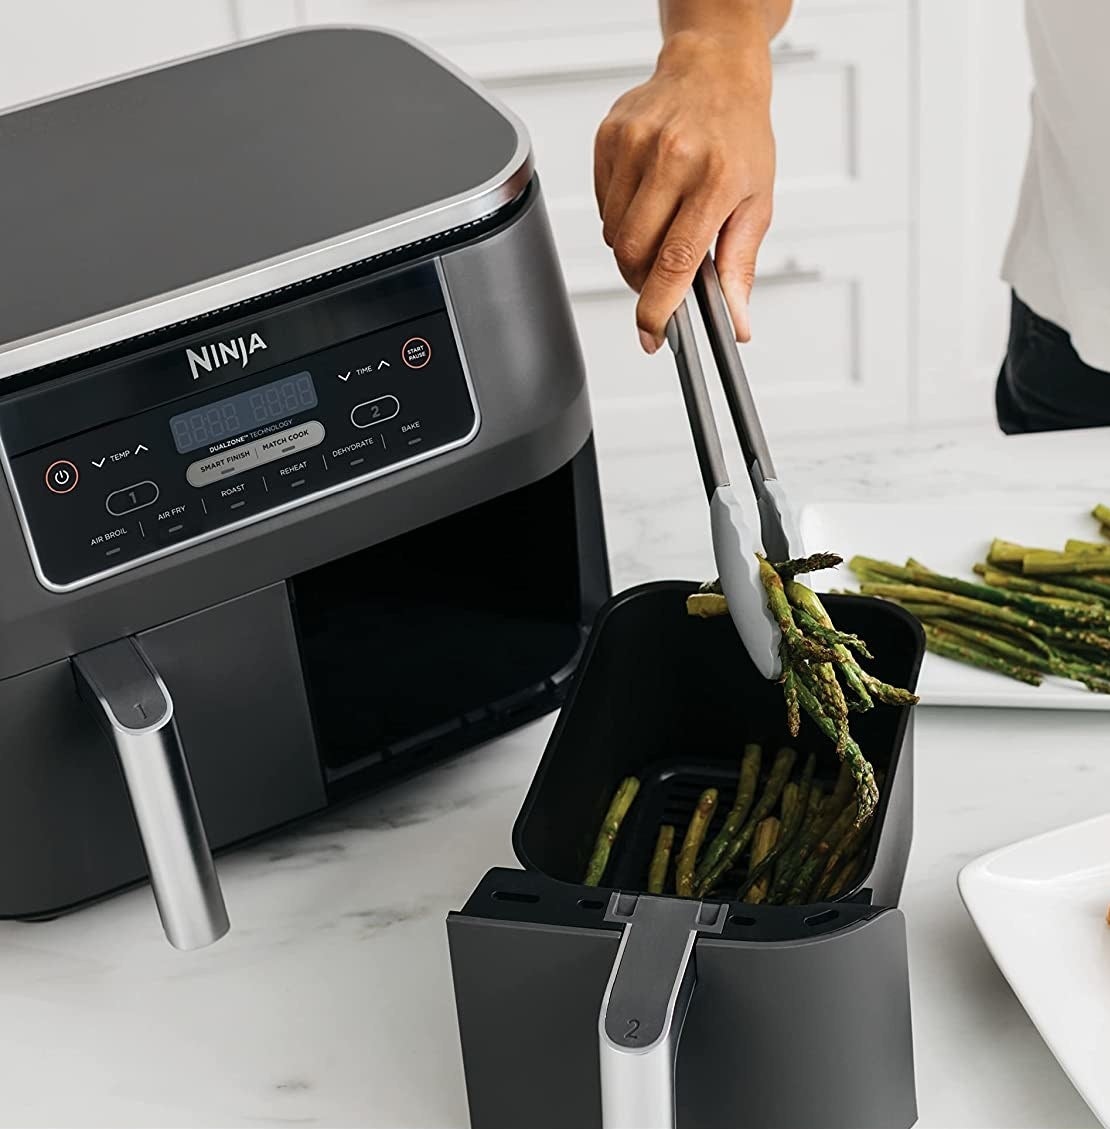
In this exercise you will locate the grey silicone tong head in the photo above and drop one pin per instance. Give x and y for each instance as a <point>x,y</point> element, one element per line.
<point>743,521</point>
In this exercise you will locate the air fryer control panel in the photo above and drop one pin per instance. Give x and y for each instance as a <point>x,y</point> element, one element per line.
<point>248,437</point>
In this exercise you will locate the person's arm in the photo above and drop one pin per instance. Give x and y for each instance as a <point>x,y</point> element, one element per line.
<point>689,155</point>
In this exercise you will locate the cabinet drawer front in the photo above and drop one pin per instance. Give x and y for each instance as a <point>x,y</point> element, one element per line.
<point>476,24</point>
<point>841,101</point>
<point>829,315</point>
<point>840,111</point>
<point>443,22</point>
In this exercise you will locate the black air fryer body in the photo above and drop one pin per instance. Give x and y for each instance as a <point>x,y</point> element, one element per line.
<point>292,409</point>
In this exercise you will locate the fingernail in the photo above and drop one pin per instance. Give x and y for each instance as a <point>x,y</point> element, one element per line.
<point>743,324</point>
<point>648,343</point>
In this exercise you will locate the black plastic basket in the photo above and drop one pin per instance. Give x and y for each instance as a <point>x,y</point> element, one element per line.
<point>673,699</point>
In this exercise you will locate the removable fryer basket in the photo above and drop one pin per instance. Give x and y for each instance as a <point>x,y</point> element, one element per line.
<point>672,699</point>
<point>800,1015</point>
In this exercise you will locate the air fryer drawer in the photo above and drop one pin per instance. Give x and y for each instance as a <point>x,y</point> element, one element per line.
<point>235,675</point>
<point>66,828</point>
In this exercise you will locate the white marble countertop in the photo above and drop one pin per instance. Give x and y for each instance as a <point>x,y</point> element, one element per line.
<point>330,1002</point>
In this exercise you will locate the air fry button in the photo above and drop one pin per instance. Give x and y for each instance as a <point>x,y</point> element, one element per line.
<point>416,352</point>
<point>61,476</point>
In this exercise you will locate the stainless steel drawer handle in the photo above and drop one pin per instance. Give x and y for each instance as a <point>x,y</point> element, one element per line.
<point>790,271</point>
<point>645,1004</point>
<point>635,70</point>
<point>786,52</point>
<point>135,711</point>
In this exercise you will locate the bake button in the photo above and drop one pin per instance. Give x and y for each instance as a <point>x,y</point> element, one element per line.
<point>133,497</point>
<point>416,352</point>
<point>375,411</point>
<point>61,476</point>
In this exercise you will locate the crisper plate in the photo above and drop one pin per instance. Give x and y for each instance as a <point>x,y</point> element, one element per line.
<point>1040,906</point>
<point>951,539</point>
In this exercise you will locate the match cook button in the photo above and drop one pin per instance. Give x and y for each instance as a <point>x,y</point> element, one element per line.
<point>416,352</point>
<point>290,441</point>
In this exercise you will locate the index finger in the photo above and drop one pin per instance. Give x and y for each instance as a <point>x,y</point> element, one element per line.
<point>680,254</point>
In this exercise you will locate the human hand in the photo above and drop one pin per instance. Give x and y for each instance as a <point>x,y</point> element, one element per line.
<point>687,157</point>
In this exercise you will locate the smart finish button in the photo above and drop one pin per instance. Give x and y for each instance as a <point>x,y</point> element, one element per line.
<point>416,352</point>
<point>61,477</point>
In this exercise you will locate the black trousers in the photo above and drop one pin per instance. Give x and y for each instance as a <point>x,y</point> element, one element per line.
<point>1043,385</point>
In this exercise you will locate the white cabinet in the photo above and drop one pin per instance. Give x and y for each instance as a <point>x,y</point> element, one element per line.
<point>47,46</point>
<point>841,111</point>
<point>830,331</point>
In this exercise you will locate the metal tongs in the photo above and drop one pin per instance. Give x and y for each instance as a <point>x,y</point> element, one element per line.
<point>742,523</point>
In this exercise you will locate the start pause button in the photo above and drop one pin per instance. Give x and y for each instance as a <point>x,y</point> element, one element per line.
<point>416,352</point>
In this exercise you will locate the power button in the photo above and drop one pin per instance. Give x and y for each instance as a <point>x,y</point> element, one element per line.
<point>61,476</point>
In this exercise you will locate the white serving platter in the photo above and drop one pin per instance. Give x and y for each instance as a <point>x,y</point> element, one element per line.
<point>950,539</point>
<point>1040,906</point>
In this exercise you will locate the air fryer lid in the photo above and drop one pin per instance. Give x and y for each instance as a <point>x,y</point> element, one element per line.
<point>166,190</point>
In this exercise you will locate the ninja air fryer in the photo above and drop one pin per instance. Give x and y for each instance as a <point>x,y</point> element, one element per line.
<point>299,491</point>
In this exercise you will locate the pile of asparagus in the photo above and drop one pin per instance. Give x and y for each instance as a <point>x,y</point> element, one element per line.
<point>821,670</point>
<point>1036,611</point>
<point>793,845</point>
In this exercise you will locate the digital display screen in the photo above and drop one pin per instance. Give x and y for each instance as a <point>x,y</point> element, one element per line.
<point>225,419</point>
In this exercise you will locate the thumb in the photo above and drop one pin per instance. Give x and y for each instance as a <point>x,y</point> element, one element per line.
<point>737,247</point>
